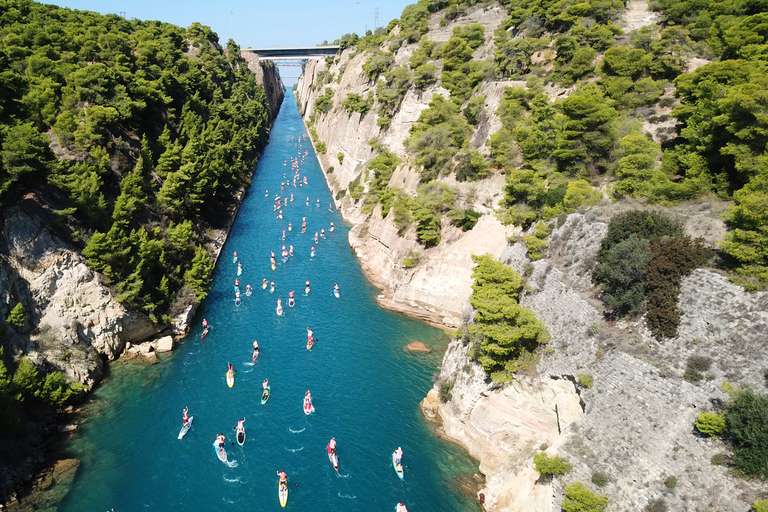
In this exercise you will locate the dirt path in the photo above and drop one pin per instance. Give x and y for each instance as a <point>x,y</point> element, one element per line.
<point>637,15</point>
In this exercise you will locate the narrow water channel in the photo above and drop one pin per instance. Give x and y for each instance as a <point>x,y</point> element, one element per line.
<point>365,388</point>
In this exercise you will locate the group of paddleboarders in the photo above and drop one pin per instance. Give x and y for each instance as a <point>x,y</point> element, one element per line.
<point>286,251</point>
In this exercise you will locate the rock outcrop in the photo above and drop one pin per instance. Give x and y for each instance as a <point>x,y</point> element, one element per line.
<point>72,318</point>
<point>268,76</point>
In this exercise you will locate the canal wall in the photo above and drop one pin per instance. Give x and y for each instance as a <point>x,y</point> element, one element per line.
<point>634,425</point>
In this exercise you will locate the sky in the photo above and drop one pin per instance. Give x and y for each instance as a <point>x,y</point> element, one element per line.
<point>259,23</point>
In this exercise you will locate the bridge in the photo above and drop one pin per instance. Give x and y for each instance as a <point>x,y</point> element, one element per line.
<point>298,53</point>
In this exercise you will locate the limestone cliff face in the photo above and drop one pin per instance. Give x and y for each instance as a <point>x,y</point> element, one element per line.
<point>268,76</point>
<point>71,317</point>
<point>435,290</point>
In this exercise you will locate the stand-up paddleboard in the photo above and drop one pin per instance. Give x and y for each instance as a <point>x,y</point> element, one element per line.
<point>221,453</point>
<point>273,266</point>
<point>308,407</point>
<point>282,493</point>
<point>398,467</point>
<point>400,507</point>
<point>336,293</point>
<point>230,378</point>
<point>265,395</point>
<point>185,428</point>
<point>255,355</point>
<point>205,331</point>
<point>248,292</point>
<point>241,436</point>
<point>332,457</point>
<point>310,342</point>
<point>279,310</point>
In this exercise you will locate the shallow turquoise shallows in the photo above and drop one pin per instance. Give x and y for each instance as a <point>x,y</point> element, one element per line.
<point>365,388</point>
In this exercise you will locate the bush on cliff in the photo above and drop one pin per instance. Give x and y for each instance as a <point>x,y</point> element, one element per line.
<point>509,334</point>
<point>436,136</point>
<point>580,499</point>
<point>710,423</point>
<point>549,467</point>
<point>324,102</point>
<point>642,260</point>
<point>746,420</point>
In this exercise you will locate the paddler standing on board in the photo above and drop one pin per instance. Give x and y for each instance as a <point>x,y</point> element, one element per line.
<point>283,479</point>
<point>184,418</point>
<point>310,335</point>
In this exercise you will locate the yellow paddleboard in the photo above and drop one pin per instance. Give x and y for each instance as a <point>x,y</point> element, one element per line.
<point>230,379</point>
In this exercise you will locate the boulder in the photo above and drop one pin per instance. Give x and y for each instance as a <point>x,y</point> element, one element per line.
<point>164,344</point>
<point>417,346</point>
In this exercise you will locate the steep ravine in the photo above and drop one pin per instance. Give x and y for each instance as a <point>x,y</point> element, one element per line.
<point>636,423</point>
<point>74,324</point>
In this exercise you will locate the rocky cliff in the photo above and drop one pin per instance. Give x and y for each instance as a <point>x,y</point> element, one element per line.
<point>435,290</point>
<point>635,424</point>
<point>267,75</point>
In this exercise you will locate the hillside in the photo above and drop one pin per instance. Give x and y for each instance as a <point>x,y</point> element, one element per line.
<point>125,149</point>
<point>521,130</point>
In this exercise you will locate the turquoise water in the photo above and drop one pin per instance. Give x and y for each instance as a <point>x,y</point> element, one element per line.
<point>365,388</point>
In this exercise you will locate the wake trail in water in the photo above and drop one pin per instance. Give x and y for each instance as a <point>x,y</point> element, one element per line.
<point>296,431</point>
<point>231,463</point>
<point>339,475</point>
<point>294,450</point>
<point>346,496</point>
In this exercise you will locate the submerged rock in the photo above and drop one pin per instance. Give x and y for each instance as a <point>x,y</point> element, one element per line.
<point>417,347</point>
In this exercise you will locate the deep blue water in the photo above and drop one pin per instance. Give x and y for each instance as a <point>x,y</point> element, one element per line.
<point>366,389</point>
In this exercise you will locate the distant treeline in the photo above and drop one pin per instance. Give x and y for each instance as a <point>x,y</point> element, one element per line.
<point>139,132</point>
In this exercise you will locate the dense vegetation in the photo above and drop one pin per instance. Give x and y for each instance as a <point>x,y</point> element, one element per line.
<point>642,260</point>
<point>554,151</point>
<point>156,128</point>
<point>506,335</point>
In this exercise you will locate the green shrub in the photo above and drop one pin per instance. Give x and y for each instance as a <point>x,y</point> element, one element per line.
<point>622,271</point>
<point>412,259</point>
<point>670,482</point>
<point>356,189</point>
<point>549,467</point>
<point>378,63</point>
<point>444,391</point>
<point>391,91</point>
<point>509,333</point>
<point>657,505</point>
<point>600,478</point>
<point>537,243</point>
<point>321,147</point>
<point>472,166</point>
<point>580,499</point>
<point>436,136</point>
<point>760,505</point>
<point>720,459</point>
<point>746,419</point>
<point>17,316</point>
<point>464,219</point>
<point>324,102</point>
<point>356,103</point>
<point>474,109</point>
<point>340,157</point>
<point>585,379</point>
